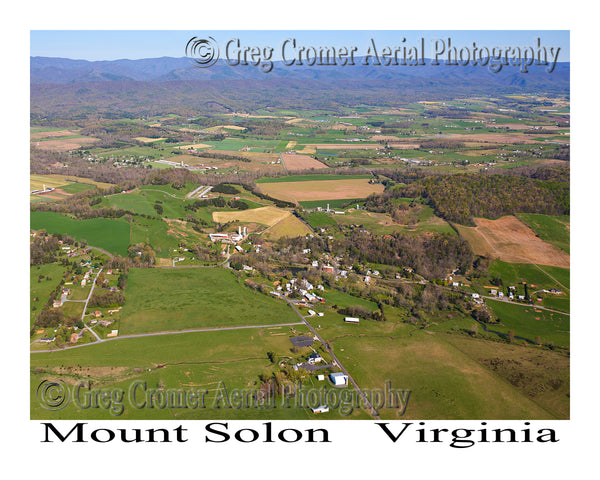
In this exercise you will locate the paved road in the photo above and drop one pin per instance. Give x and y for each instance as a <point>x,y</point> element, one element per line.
<point>174,332</point>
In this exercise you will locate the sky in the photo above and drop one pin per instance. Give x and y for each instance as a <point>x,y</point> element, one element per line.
<point>135,44</point>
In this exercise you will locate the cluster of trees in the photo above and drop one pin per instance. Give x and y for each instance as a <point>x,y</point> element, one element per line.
<point>362,312</point>
<point>460,198</point>
<point>221,156</point>
<point>43,249</point>
<point>401,212</point>
<point>141,255</point>
<point>106,298</point>
<point>226,189</point>
<point>429,255</point>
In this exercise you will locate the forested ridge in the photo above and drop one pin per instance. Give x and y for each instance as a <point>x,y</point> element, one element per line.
<point>460,198</point>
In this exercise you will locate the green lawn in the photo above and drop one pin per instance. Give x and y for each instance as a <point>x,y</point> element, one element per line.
<point>107,233</point>
<point>185,298</point>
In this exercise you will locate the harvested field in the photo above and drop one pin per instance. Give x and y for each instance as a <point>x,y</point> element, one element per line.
<point>405,146</point>
<point>384,138</point>
<point>149,140</point>
<point>300,162</point>
<point>263,215</point>
<point>290,226</point>
<point>195,146</point>
<point>228,127</point>
<point>36,182</point>
<point>322,189</point>
<point>510,240</point>
<point>65,145</point>
<point>51,134</point>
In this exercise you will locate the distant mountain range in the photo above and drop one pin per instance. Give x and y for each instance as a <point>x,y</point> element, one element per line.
<point>62,85</point>
<point>46,70</point>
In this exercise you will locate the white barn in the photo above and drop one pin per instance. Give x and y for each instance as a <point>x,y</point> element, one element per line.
<point>339,379</point>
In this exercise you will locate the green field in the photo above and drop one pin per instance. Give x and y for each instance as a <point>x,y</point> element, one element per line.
<point>319,219</point>
<point>188,361</point>
<point>40,290</point>
<point>513,273</point>
<point>552,229</point>
<point>77,187</point>
<point>342,299</point>
<point>153,232</point>
<point>527,322</point>
<point>109,234</point>
<point>185,298</point>
<point>444,382</point>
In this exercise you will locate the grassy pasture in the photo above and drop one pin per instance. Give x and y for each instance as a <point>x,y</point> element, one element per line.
<point>154,232</point>
<point>540,374</point>
<point>188,361</point>
<point>320,219</point>
<point>513,273</point>
<point>143,203</point>
<point>109,234</point>
<point>342,299</point>
<point>529,322</point>
<point>185,298</point>
<point>444,382</point>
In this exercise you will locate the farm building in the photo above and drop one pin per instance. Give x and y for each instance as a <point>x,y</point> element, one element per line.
<point>314,358</point>
<point>320,409</point>
<point>351,320</point>
<point>338,379</point>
